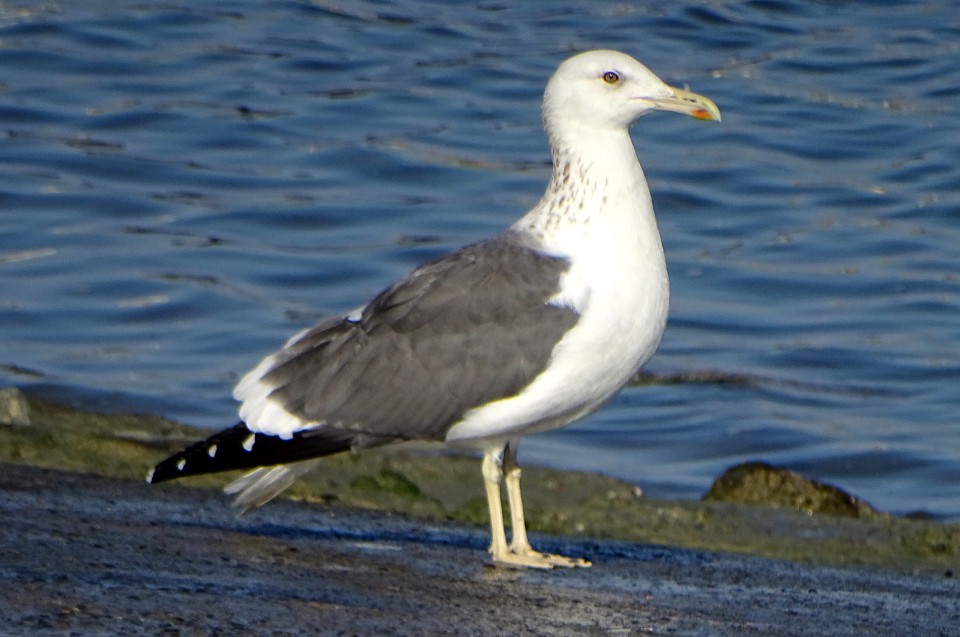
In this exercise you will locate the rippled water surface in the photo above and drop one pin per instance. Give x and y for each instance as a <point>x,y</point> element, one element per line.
<point>182,186</point>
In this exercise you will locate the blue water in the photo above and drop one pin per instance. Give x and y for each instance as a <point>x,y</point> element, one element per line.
<point>183,185</point>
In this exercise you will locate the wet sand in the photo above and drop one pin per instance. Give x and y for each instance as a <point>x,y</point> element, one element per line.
<point>88,555</point>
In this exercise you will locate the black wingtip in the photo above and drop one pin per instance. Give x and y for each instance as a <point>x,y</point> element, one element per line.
<point>222,451</point>
<point>240,448</point>
<point>197,458</point>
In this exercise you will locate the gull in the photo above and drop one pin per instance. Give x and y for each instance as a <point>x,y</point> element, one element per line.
<point>524,332</point>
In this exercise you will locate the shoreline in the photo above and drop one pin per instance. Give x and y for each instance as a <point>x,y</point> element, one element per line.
<point>578,505</point>
<point>88,555</point>
<point>390,544</point>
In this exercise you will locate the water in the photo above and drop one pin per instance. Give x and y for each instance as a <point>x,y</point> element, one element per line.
<point>184,185</point>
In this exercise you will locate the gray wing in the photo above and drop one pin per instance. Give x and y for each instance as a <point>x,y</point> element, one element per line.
<point>464,330</point>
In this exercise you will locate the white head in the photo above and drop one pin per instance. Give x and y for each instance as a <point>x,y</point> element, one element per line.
<point>611,90</point>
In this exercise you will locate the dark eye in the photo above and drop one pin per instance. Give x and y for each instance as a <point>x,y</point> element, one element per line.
<point>611,77</point>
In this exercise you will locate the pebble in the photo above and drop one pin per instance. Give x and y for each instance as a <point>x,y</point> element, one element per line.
<point>14,409</point>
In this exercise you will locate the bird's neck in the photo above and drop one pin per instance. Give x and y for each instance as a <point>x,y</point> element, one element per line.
<point>597,197</point>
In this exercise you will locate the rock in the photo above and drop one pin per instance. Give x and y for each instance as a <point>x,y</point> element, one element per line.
<point>14,409</point>
<point>165,560</point>
<point>765,484</point>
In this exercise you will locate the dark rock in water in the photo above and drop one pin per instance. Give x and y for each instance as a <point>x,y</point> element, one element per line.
<point>14,409</point>
<point>765,484</point>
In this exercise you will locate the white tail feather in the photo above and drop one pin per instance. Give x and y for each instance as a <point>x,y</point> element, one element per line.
<point>264,484</point>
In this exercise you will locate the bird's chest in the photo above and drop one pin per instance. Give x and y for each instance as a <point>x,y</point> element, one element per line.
<point>622,295</point>
<point>603,224</point>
